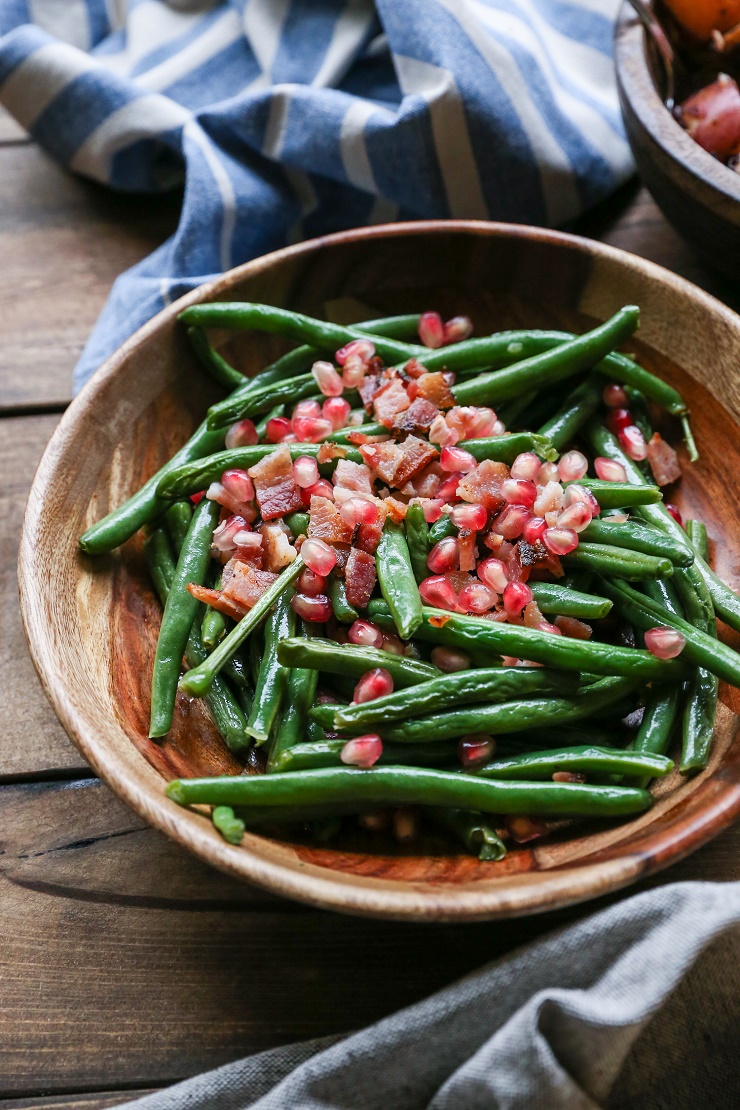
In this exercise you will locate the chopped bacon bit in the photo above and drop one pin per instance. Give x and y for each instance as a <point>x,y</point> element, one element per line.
<point>418,418</point>
<point>244,585</point>
<point>663,461</point>
<point>416,455</point>
<point>368,535</point>
<point>533,617</point>
<point>468,550</point>
<point>368,388</point>
<point>329,451</point>
<point>396,509</point>
<point>383,459</point>
<point>434,388</point>
<point>577,630</point>
<point>277,492</point>
<point>414,369</point>
<point>276,545</point>
<point>483,485</point>
<point>439,621</point>
<point>426,483</point>
<point>359,437</point>
<point>522,559</point>
<point>341,550</point>
<point>353,476</point>
<point>360,578</point>
<point>390,400</point>
<point>217,600</point>
<point>326,523</point>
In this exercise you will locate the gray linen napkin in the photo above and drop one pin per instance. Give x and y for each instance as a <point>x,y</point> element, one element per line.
<point>634,1007</point>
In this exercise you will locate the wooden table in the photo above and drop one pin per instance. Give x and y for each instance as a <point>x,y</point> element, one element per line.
<point>124,963</point>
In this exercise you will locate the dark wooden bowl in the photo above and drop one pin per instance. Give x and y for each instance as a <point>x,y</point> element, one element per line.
<point>92,624</point>
<point>699,195</point>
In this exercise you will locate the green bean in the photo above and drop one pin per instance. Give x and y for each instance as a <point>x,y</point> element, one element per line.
<point>473,828</point>
<point>659,718</point>
<point>298,523</point>
<point>578,408</point>
<point>353,660</point>
<point>510,411</point>
<point>327,753</point>
<point>663,591</point>
<point>479,634</point>
<point>301,691</point>
<point>179,613</point>
<point>587,760</point>
<point>698,538</point>
<point>505,448</point>
<point>197,681</point>
<point>341,608</point>
<point>396,580</point>
<point>494,684</point>
<point>227,715</point>
<point>511,716</point>
<point>586,733</point>
<point>638,537</point>
<point>261,399</point>
<point>273,677</point>
<point>238,671</point>
<point>417,538</point>
<point>212,362</point>
<point>618,562</point>
<point>701,649</point>
<point>228,824</point>
<point>383,786</point>
<point>700,707</point>
<point>544,369</point>
<point>187,479</point>
<point>441,529</point>
<point>261,425</point>
<point>551,597</point>
<point>213,624</point>
<point>618,495</point>
<point>177,521</point>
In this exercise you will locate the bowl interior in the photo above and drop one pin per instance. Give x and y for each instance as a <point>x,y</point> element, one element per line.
<point>93,624</point>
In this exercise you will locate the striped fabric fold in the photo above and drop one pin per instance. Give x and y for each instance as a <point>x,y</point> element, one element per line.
<point>284,119</point>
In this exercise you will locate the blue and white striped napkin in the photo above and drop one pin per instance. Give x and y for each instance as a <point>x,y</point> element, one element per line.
<point>286,119</point>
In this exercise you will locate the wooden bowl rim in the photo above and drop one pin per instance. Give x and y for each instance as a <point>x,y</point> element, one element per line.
<point>638,88</point>
<point>433,902</point>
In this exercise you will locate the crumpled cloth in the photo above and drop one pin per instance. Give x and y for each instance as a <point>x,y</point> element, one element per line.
<point>287,119</point>
<point>633,1008</point>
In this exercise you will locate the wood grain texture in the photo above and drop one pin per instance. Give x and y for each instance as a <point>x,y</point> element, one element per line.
<point>504,277</point>
<point>32,741</point>
<point>68,240</point>
<point>96,1100</point>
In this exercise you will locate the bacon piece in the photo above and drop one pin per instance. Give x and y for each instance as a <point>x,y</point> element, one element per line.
<point>396,509</point>
<point>244,585</point>
<point>417,455</point>
<point>570,626</point>
<point>483,485</point>
<point>434,388</point>
<point>277,492</point>
<point>533,617</point>
<point>523,557</point>
<point>341,550</point>
<point>367,389</point>
<point>439,621</point>
<point>368,535</point>
<point>353,476</point>
<point>663,460</point>
<point>361,577</point>
<point>426,483</point>
<point>417,418</point>
<point>389,400</point>
<point>325,522</point>
<point>217,600</point>
<point>276,546</point>
<point>383,459</point>
<point>329,451</point>
<point>467,548</point>
<point>358,438</point>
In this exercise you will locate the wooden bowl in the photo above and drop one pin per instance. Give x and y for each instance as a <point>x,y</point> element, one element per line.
<point>92,624</point>
<point>699,195</point>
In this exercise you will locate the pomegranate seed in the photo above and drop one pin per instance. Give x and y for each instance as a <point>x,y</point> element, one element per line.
<point>392,644</point>
<point>306,408</point>
<point>526,467</point>
<point>242,434</point>
<point>361,349</point>
<point>576,493</point>
<point>196,498</point>
<point>439,591</point>
<point>498,428</point>
<point>455,459</point>
<point>516,596</point>
<point>493,573</point>
<point>560,541</point>
<point>609,470</point>
<point>276,428</point>
<point>365,634</point>
<point>548,473</point>
<point>405,824</point>
<point>664,642</point>
<point>441,434</point>
<point>431,329</point>
<point>312,608</point>
<point>476,598</point>
<point>577,516</point>
<point>479,422</point>
<point>572,466</point>
<point>568,776</point>
<point>457,329</point>
<point>223,536</point>
<point>373,684</point>
<point>675,513</point>
<point>336,410</point>
<point>444,556</point>
<point>534,529</point>
<point>614,396</point>
<point>475,749</point>
<point>472,517</point>
<point>618,419</point>
<point>322,488</point>
<point>519,491</point>
<point>356,510</point>
<point>311,429</point>
<point>633,443</point>
<point>447,490</point>
<point>511,521</point>
<point>305,471</point>
<point>450,660</point>
<point>327,379</point>
<point>363,751</point>
<point>310,583</point>
<point>353,373</point>
<point>238,485</point>
<point>318,556</point>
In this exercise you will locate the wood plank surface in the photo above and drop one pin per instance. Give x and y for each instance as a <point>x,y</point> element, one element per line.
<point>67,240</point>
<point>96,1100</point>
